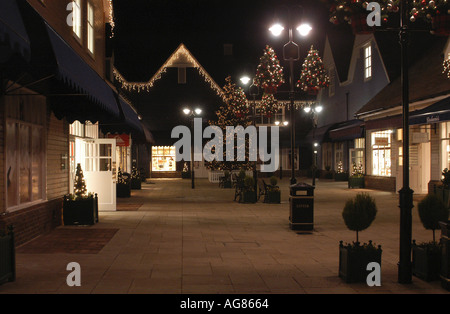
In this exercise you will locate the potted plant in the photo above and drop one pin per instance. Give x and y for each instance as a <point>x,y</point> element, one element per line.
<point>225,181</point>
<point>340,175</point>
<point>443,190</point>
<point>185,173</point>
<point>356,179</point>
<point>7,256</point>
<point>123,186</point>
<point>80,208</point>
<point>273,195</point>
<point>426,257</point>
<point>248,193</point>
<point>136,181</point>
<point>358,214</point>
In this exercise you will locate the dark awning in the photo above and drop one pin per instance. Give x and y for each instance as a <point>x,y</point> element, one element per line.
<point>75,73</point>
<point>392,122</point>
<point>348,130</point>
<point>12,30</point>
<point>437,112</point>
<point>318,134</point>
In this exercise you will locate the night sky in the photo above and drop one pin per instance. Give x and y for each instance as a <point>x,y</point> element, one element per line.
<point>148,31</point>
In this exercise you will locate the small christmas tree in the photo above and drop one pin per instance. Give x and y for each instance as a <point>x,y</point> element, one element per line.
<point>314,75</point>
<point>135,174</point>
<point>357,170</point>
<point>79,188</point>
<point>120,178</point>
<point>269,73</point>
<point>340,167</point>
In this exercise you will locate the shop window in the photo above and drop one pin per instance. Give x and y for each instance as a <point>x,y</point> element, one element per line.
<point>338,154</point>
<point>381,153</point>
<point>357,153</point>
<point>25,163</point>
<point>163,158</point>
<point>445,145</point>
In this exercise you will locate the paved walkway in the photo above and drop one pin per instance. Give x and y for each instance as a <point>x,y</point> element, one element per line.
<point>170,239</point>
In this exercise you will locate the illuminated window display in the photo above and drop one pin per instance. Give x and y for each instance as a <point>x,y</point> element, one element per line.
<point>163,158</point>
<point>445,149</point>
<point>381,153</point>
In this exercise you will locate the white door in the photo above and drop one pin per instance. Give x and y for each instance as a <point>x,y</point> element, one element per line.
<point>98,160</point>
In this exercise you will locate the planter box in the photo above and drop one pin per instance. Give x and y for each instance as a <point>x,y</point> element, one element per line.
<point>273,197</point>
<point>7,257</point>
<point>356,182</point>
<point>123,190</point>
<point>426,263</point>
<point>81,211</point>
<point>342,176</point>
<point>445,254</point>
<point>185,175</point>
<point>227,184</point>
<point>248,197</point>
<point>136,184</point>
<point>353,262</point>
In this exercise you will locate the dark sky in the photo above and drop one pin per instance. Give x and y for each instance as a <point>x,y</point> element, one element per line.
<point>148,31</point>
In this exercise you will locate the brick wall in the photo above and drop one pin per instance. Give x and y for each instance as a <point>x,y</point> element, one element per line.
<point>380,183</point>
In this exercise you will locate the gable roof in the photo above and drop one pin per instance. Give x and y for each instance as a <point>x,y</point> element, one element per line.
<point>181,57</point>
<point>429,66</point>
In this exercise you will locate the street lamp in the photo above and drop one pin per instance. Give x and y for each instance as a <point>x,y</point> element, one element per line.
<point>254,91</point>
<point>291,53</point>
<point>192,114</point>
<point>314,111</point>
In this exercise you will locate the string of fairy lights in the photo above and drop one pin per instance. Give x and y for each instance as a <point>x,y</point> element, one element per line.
<point>111,17</point>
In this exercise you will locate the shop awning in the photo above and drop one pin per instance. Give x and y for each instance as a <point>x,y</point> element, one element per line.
<point>75,73</point>
<point>12,30</point>
<point>348,130</point>
<point>318,134</point>
<point>392,122</point>
<point>437,112</point>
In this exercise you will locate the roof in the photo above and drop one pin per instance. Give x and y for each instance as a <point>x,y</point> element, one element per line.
<point>429,66</point>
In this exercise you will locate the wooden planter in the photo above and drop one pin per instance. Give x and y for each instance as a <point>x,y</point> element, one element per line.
<point>273,197</point>
<point>80,211</point>
<point>136,184</point>
<point>445,254</point>
<point>7,257</point>
<point>353,261</point>
<point>248,197</point>
<point>356,182</point>
<point>123,189</point>
<point>443,194</point>
<point>185,175</point>
<point>227,184</point>
<point>426,262</point>
<point>341,176</point>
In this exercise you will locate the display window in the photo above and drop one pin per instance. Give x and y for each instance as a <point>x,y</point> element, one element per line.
<point>163,158</point>
<point>381,153</point>
<point>445,145</point>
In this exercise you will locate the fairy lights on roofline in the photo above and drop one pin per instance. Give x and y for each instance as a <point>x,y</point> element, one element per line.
<point>181,52</point>
<point>111,18</point>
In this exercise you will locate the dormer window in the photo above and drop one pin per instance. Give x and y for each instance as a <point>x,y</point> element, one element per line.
<point>77,18</point>
<point>367,62</point>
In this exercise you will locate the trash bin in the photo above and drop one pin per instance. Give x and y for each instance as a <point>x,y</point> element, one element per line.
<point>301,200</point>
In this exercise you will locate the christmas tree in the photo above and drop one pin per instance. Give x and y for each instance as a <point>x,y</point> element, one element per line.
<point>314,75</point>
<point>340,167</point>
<point>135,174</point>
<point>120,177</point>
<point>79,188</point>
<point>269,73</point>
<point>233,112</point>
<point>269,105</point>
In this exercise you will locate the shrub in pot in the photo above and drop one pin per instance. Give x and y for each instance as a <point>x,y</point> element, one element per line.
<point>248,193</point>
<point>273,195</point>
<point>136,180</point>
<point>123,186</point>
<point>426,257</point>
<point>358,214</point>
<point>226,180</point>
<point>80,208</point>
<point>356,179</point>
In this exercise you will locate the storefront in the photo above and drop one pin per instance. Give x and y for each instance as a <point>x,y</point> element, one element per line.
<point>163,159</point>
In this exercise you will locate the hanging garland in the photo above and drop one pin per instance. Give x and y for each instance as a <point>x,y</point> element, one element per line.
<point>268,105</point>
<point>436,12</point>
<point>446,66</point>
<point>314,75</point>
<point>269,73</point>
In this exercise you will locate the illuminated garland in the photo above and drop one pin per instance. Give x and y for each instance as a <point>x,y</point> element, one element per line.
<point>181,51</point>
<point>446,66</point>
<point>269,73</point>
<point>111,18</point>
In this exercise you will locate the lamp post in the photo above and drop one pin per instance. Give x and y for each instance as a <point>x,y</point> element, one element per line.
<point>282,124</point>
<point>314,111</point>
<point>253,91</point>
<point>192,114</point>
<point>291,53</point>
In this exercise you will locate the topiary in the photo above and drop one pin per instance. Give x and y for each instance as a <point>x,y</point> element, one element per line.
<point>273,180</point>
<point>359,213</point>
<point>249,183</point>
<point>431,211</point>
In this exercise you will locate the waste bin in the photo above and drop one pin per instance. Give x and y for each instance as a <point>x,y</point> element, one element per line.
<point>301,200</point>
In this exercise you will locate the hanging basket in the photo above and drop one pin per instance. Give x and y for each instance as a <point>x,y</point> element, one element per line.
<point>441,25</point>
<point>359,24</point>
<point>270,89</point>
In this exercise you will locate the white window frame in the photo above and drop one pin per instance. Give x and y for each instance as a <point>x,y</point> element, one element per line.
<point>90,23</point>
<point>367,62</point>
